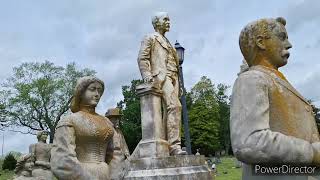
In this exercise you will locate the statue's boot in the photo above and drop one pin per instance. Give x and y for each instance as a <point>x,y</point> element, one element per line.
<point>178,151</point>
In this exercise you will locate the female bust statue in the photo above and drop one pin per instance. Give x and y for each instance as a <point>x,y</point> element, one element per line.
<point>82,146</point>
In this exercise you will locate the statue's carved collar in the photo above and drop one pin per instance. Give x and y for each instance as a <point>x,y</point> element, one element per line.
<point>164,42</point>
<point>276,72</point>
<point>279,77</point>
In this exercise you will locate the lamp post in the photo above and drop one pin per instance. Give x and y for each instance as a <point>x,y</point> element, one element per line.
<point>2,145</point>
<point>180,52</point>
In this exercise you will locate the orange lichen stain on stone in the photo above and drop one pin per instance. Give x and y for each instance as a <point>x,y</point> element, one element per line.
<point>276,72</point>
<point>280,121</point>
<point>279,74</point>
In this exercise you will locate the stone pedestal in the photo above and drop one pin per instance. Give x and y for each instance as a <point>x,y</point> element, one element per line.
<point>188,167</point>
<point>153,143</point>
<point>151,160</point>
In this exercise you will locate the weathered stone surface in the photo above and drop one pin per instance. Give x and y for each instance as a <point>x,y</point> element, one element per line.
<point>24,168</point>
<point>153,148</point>
<point>152,124</point>
<point>270,122</point>
<point>83,144</point>
<point>40,155</point>
<point>120,148</point>
<point>161,115</point>
<point>153,143</point>
<point>187,167</point>
<point>159,67</point>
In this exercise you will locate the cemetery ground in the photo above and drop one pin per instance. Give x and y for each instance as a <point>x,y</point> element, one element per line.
<point>225,170</point>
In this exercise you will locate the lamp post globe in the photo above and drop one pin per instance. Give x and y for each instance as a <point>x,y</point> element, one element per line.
<point>180,52</point>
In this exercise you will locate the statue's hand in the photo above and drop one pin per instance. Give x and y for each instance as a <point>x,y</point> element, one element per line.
<point>316,153</point>
<point>148,79</point>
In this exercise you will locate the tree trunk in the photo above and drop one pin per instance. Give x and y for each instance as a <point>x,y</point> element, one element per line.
<point>227,147</point>
<point>51,134</point>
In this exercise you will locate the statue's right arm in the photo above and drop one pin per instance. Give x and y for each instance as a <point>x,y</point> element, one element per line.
<point>64,162</point>
<point>144,58</point>
<point>252,140</point>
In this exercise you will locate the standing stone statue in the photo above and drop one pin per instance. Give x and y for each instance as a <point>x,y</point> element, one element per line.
<point>83,145</point>
<point>121,152</point>
<point>159,66</point>
<point>158,154</point>
<point>40,155</point>
<point>271,122</point>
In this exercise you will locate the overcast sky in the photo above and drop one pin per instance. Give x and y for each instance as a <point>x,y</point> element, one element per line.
<point>105,36</point>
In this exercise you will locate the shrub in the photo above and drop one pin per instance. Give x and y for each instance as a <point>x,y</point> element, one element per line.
<point>9,162</point>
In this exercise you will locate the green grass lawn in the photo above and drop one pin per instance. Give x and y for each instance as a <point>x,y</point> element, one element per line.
<point>6,175</point>
<point>227,165</point>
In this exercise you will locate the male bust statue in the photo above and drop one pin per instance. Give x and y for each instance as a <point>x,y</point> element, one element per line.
<point>120,149</point>
<point>41,155</point>
<point>270,121</point>
<point>159,65</point>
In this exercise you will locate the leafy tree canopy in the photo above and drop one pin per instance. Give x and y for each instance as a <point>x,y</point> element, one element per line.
<point>131,119</point>
<point>38,94</point>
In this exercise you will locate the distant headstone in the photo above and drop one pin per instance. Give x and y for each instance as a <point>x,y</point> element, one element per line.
<point>198,153</point>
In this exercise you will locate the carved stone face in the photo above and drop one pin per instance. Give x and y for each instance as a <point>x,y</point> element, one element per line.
<point>115,123</point>
<point>92,95</point>
<point>276,47</point>
<point>164,23</point>
<point>44,137</point>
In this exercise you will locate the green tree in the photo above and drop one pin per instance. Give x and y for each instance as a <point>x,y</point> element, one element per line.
<point>131,119</point>
<point>316,112</point>
<point>224,116</point>
<point>37,95</point>
<point>16,154</point>
<point>9,162</point>
<point>204,117</point>
<point>208,111</point>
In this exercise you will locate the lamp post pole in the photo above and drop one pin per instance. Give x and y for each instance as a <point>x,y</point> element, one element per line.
<point>2,144</point>
<point>180,52</point>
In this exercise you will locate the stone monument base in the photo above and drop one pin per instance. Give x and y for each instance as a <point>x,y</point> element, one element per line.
<point>185,167</point>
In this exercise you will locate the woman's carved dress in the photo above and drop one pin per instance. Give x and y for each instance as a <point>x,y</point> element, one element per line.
<point>82,147</point>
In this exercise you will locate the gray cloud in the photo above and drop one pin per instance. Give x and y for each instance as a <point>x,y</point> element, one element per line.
<point>310,85</point>
<point>301,13</point>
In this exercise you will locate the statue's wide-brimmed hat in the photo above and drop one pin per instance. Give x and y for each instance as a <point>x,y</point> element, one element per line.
<point>113,112</point>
